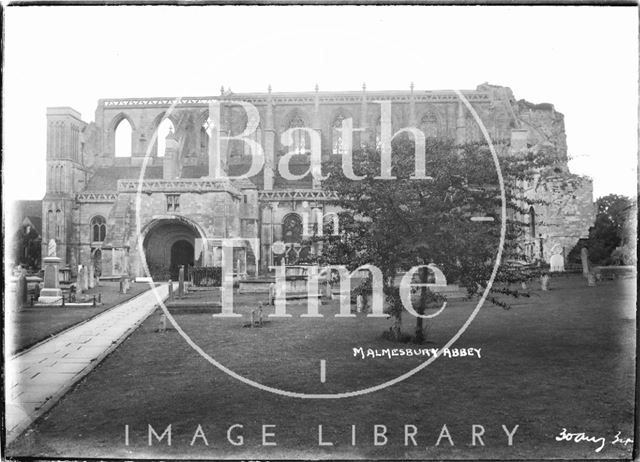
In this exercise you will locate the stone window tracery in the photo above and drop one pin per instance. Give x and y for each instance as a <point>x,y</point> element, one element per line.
<point>338,146</point>
<point>173,202</point>
<point>299,145</point>
<point>98,228</point>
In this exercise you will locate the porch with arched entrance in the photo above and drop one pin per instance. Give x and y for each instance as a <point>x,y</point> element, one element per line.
<point>169,243</point>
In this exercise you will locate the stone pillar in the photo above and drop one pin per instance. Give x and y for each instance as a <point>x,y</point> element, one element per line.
<point>51,293</point>
<point>170,161</point>
<point>365,136</point>
<point>316,112</point>
<point>460,123</point>
<point>269,145</point>
<point>412,109</point>
<point>216,156</point>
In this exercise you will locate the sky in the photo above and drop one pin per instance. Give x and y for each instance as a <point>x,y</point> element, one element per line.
<point>584,60</point>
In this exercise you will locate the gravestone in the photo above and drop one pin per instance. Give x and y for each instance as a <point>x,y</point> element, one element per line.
<point>92,277</point>
<point>584,256</point>
<point>181,282</point>
<point>170,289</point>
<point>556,263</point>
<point>544,282</point>
<point>272,293</point>
<point>51,294</point>
<point>123,285</point>
<point>21,290</point>
<point>359,303</point>
<point>83,279</point>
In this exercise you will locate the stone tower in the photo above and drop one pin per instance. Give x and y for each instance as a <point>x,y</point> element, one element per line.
<point>65,176</point>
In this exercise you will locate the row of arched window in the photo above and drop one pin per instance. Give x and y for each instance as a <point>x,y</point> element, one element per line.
<point>57,179</point>
<point>55,224</point>
<point>429,124</point>
<point>63,142</point>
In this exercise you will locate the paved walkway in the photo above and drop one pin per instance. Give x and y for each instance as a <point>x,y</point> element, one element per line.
<point>37,378</point>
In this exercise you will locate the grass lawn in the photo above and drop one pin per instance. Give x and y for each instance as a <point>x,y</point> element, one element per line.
<point>563,358</point>
<point>30,325</point>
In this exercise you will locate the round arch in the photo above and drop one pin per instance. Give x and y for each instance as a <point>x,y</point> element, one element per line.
<point>168,242</point>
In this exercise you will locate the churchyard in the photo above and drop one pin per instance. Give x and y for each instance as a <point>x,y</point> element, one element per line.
<point>32,324</point>
<point>562,358</point>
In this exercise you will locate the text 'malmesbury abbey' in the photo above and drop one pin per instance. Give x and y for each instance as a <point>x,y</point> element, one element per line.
<point>89,206</point>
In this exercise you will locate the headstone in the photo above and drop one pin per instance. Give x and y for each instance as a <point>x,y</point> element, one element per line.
<point>591,279</point>
<point>37,289</point>
<point>92,276</point>
<point>127,284</point>
<point>544,282</point>
<point>51,294</point>
<point>123,288</point>
<point>83,280</point>
<point>272,293</point>
<point>327,289</point>
<point>556,263</point>
<point>359,303</point>
<point>181,281</point>
<point>21,290</point>
<point>170,289</point>
<point>163,323</point>
<point>584,256</point>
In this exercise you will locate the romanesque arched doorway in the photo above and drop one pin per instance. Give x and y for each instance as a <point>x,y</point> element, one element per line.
<point>169,243</point>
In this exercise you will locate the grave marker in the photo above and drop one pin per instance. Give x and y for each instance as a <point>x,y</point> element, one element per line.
<point>181,282</point>
<point>51,293</point>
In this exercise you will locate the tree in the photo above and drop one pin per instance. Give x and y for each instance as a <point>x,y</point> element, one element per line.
<point>400,223</point>
<point>608,230</point>
<point>27,248</point>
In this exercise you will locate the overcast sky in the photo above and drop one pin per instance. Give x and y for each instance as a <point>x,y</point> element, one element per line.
<point>584,60</point>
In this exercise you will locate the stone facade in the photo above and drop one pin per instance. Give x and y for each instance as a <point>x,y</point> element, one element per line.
<point>91,208</point>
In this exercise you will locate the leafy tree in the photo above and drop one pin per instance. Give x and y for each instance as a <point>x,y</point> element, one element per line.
<point>609,229</point>
<point>400,223</point>
<point>27,247</point>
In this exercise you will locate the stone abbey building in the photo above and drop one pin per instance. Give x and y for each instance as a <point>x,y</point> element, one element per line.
<point>90,204</point>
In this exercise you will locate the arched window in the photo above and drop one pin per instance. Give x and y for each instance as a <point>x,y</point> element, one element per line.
<point>299,145</point>
<point>123,139</point>
<point>58,224</point>
<point>429,125</point>
<point>292,228</point>
<point>164,128</point>
<point>337,145</point>
<point>50,225</point>
<point>204,138</point>
<point>98,228</point>
<point>532,222</point>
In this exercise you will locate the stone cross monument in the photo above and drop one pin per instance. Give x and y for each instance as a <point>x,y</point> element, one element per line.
<point>51,294</point>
